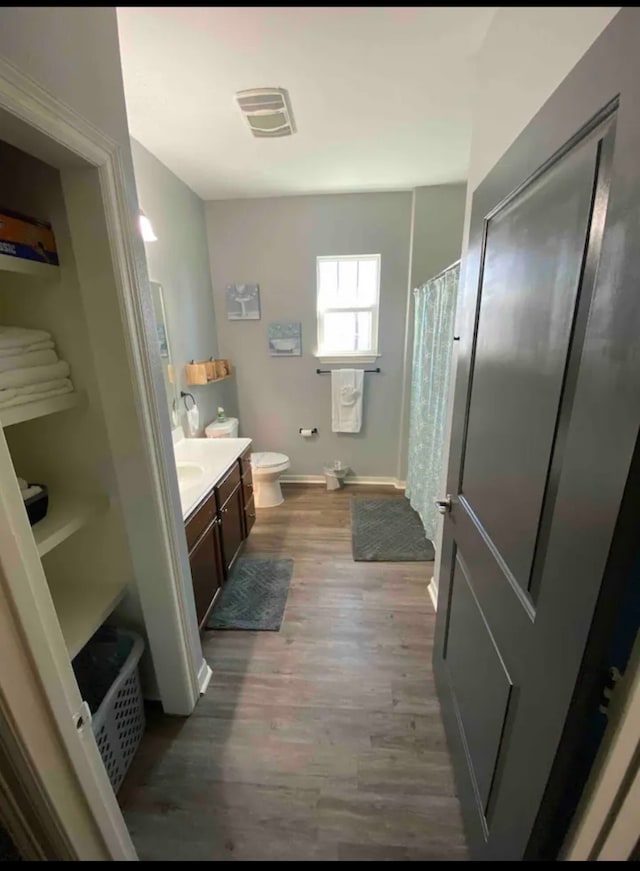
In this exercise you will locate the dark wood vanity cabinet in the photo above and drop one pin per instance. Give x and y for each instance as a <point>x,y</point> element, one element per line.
<point>205,556</point>
<point>216,531</point>
<point>206,571</point>
<point>247,492</point>
<point>231,517</point>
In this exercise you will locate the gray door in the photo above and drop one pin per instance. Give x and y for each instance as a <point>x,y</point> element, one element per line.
<point>546,416</point>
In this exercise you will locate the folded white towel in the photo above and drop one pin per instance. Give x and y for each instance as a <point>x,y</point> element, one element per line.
<point>28,389</point>
<point>27,349</point>
<point>346,399</point>
<point>22,484</point>
<point>26,361</point>
<point>34,397</point>
<point>20,337</point>
<point>33,375</point>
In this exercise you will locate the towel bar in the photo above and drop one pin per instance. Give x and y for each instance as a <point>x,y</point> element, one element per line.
<point>328,371</point>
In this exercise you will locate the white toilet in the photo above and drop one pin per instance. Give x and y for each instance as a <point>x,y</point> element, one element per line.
<point>267,467</point>
<point>222,429</point>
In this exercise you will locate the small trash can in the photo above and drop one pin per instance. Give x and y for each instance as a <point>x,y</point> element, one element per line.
<point>334,474</point>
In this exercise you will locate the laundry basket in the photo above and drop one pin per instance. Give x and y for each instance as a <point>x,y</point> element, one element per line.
<point>118,723</point>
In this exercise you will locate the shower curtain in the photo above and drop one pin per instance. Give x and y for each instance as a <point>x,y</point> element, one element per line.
<point>435,306</point>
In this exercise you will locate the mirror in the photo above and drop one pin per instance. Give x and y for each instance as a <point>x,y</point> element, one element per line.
<point>163,342</point>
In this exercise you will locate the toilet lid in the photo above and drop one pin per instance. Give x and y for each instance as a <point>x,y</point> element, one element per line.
<point>268,459</point>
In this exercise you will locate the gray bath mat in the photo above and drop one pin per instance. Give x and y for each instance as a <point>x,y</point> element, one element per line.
<point>388,530</point>
<point>254,595</point>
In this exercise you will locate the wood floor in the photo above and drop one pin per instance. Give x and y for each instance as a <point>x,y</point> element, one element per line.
<point>321,741</point>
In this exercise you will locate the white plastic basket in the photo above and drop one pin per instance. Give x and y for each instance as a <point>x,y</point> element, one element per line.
<point>119,722</point>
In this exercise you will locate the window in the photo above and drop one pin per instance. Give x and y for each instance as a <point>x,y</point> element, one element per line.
<point>348,294</point>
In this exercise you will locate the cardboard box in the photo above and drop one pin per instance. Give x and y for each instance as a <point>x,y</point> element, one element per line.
<point>27,238</point>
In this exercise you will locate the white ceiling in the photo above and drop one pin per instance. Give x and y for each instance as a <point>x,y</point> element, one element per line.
<point>381,95</point>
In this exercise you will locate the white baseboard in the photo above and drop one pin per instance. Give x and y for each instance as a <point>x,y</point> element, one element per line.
<point>433,592</point>
<point>204,676</point>
<point>350,479</point>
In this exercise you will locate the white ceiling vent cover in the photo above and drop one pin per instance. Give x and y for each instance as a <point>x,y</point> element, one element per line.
<point>267,111</point>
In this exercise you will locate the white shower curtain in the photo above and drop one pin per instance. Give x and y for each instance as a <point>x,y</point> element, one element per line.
<point>435,306</point>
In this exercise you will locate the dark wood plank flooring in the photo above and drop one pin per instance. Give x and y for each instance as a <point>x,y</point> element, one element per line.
<point>321,741</point>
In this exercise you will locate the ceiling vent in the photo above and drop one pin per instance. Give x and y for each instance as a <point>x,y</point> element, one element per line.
<point>267,112</point>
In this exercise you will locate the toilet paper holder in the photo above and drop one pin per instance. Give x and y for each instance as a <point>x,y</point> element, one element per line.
<point>313,431</point>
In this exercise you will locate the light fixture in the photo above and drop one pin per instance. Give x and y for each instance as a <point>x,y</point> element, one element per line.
<point>267,112</point>
<point>146,229</point>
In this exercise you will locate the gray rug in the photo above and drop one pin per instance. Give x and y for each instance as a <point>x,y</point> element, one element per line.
<point>388,530</point>
<point>254,595</point>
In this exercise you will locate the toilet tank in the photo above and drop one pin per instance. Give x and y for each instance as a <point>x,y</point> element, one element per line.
<point>225,429</point>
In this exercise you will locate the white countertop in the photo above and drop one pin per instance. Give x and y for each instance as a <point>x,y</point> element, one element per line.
<point>214,456</point>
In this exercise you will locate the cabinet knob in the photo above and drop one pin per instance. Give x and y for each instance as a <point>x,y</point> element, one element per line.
<point>225,510</point>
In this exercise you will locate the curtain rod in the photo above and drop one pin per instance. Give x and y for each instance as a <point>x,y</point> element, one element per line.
<point>439,274</point>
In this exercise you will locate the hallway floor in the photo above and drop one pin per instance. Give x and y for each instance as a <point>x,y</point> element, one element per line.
<point>321,741</point>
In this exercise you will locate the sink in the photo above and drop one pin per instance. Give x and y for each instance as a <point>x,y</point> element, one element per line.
<point>189,473</point>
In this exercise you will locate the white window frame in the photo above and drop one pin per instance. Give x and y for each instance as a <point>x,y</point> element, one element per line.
<point>368,356</point>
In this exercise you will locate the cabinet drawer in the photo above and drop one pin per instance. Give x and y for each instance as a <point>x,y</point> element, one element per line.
<point>199,521</point>
<point>249,516</point>
<point>228,484</point>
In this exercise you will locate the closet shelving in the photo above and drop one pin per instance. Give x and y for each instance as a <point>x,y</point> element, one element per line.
<point>40,408</point>
<point>18,266</point>
<point>68,513</point>
<point>84,556</point>
<point>83,609</point>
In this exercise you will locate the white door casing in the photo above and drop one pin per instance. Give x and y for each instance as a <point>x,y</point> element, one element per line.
<point>39,699</point>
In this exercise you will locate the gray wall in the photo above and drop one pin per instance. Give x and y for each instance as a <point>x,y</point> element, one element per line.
<point>437,229</point>
<point>179,261</point>
<point>438,218</point>
<point>275,242</point>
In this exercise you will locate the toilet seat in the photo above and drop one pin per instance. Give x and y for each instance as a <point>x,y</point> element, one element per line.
<point>269,462</point>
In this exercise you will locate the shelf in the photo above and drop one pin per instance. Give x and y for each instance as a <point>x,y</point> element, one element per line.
<point>39,408</point>
<point>20,266</point>
<point>82,609</point>
<point>66,515</point>
<point>213,381</point>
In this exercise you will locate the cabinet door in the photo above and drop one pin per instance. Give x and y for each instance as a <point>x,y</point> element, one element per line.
<point>232,528</point>
<point>206,571</point>
<point>249,516</point>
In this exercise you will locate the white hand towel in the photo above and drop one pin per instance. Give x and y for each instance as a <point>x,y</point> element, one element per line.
<point>27,349</point>
<point>31,491</point>
<point>26,361</point>
<point>33,375</point>
<point>346,399</point>
<point>34,397</point>
<point>193,419</point>
<point>19,337</point>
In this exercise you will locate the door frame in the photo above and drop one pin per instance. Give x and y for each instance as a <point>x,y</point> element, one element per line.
<point>604,72</point>
<point>65,791</point>
<point>605,825</point>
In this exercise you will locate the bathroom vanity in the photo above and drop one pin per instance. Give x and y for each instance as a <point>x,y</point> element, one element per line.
<point>216,494</point>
